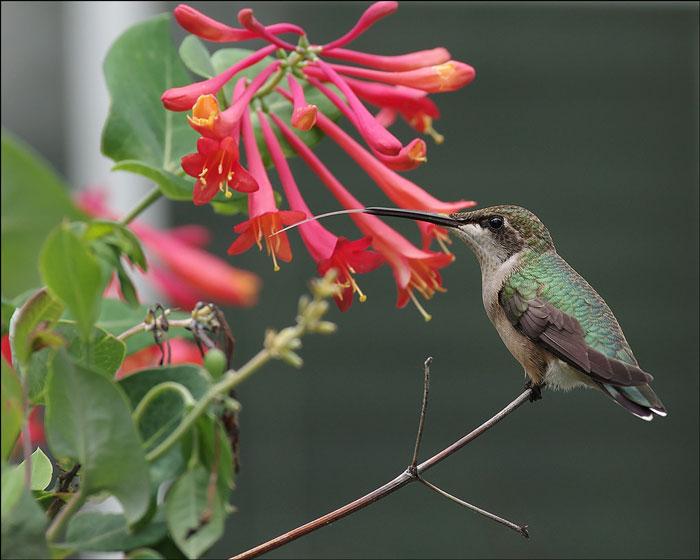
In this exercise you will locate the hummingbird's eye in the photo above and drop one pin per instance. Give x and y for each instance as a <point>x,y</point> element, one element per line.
<point>495,222</point>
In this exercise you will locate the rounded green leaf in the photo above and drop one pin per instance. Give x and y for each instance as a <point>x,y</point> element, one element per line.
<point>37,315</point>
<point>73,275</point>
<point>140,66</point>
<point>12,411</point>
<point>34,201</point>
<point>196,56</point>
<point>104,532</point>
<point>195,521</point>
<point>88,420</point>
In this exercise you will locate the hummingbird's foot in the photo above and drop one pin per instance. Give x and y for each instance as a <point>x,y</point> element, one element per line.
<point>536,394</point>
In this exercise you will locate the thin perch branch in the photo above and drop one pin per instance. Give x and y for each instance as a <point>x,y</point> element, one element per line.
<point>522,529</point>
<point>423,412</point>
<point>411,474</point>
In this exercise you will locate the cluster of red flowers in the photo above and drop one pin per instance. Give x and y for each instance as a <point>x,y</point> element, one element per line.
<point>396,85</point>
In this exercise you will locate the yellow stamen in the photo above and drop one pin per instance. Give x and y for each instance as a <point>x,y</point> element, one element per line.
<point>428,129</point>
<point>275,266</point>
<point>420,308</point>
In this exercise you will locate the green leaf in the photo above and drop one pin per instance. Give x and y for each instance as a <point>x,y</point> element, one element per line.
<point>215,453</point>
<point>34,201</point>
<point>196,57</point>
<point>88,420</point>
<point>37,315</point>
<point>103,354</point>
<point>104,532</point>
<point>195,522</point>
<point>172,186</point>
<point>119,236</point>
<point>12,410</point>
<point>225,58</point>
<point>165,412</point>
<point>37,370</point>
<point>23,521</point>
<point>73,275</point>
<point>140,66</point>
<point>144,554</point>
<point>237,204</point>
<point>42,470</point>
<point>8,308</point>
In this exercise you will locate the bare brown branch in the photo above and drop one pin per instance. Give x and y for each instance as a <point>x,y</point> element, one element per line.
<point>411,474</point>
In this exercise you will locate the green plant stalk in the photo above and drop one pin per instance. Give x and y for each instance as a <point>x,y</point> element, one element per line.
<point>55,531</point>
<point>146,202</point>
<point>229,381</point>
<point>154,392</point>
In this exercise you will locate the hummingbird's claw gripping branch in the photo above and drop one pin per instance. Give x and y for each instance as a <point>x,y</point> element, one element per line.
<point>412,473</point>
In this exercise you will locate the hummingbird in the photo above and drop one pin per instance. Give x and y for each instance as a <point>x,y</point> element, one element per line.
<point>551,320</point>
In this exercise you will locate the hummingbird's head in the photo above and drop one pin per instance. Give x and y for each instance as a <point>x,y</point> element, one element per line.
<point>497,233</point>
<point>494,234</point>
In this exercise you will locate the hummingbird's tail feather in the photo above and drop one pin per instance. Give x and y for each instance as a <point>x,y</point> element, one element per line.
<point>639,400</point>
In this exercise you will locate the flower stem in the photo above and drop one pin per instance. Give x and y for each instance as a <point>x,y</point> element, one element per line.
<point>141,327</point>
<point>55,531</point>
<point>230,380</point>
<point>147,201</point>
<point>272,83</point>
<point>167,386</point>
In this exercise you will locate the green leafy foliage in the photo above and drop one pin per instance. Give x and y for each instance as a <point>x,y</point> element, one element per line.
<point>111,241</point>
<point>165,411</point>
<point>12,411</point>
<point>103,355</point>
<point>196,57</point>
<point>73,275</point>
<point>172,186</point>
<point>42,470</point>
<point>195,520</point>
<point>31,322</point>
<point>34,201</point>
<point>88,420</point>
<point>23,522</point>
<point>96,532</point>
<point>140,135</point>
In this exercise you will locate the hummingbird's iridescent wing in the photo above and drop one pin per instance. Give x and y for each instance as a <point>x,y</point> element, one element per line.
<point>552,305</point>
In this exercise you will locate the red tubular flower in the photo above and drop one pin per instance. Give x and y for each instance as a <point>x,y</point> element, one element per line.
<point>183,98</point>
<point>198,271</point>
<point>400,190</point>
<point>409,157</point>
<point>265,218</point>
<point>247,20</point>
<point>414,105</point>
<point>400,63</point>
<point>413,268</point>
<point>373,133</point>
<point>207,28</point>
<point>449,76</point>
<point>371,15</point>
<point>179,267</point>
<point>303,114</point>
<point>216,167</point>
<point>328,250</point>
<point>181,352</point>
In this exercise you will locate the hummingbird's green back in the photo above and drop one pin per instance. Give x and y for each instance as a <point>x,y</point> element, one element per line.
<point>549,277</point>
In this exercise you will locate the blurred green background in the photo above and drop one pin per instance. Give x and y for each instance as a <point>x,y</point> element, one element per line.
<point>585,113</point>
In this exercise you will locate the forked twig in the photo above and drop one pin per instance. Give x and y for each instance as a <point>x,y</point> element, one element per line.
<point>412,474</point>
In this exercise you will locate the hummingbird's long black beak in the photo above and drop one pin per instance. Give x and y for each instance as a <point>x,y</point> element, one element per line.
<point>416,215</point>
